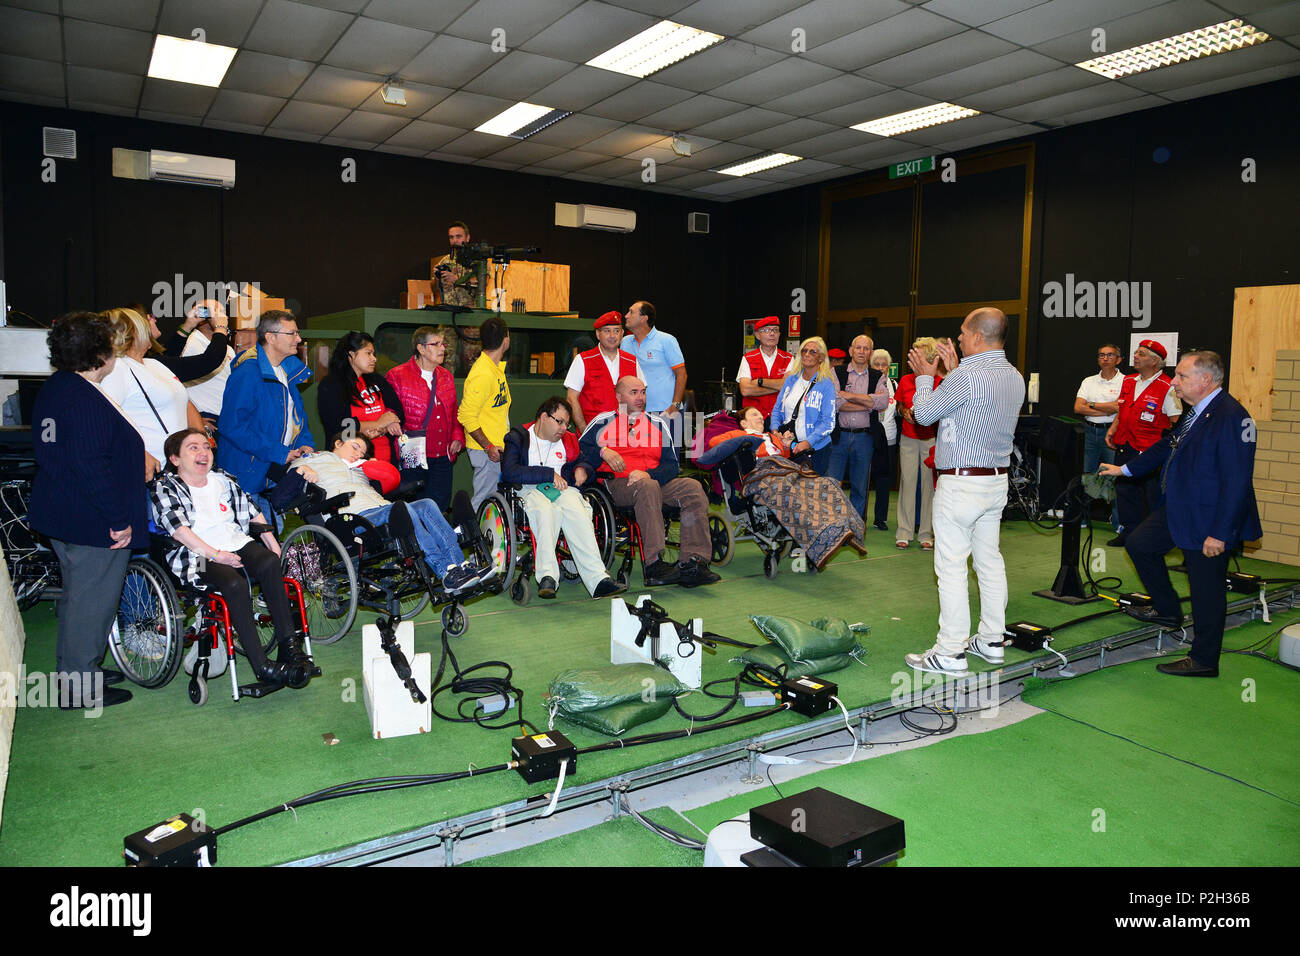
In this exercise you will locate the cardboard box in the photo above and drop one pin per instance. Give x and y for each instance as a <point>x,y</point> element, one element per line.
<point>248,309</point>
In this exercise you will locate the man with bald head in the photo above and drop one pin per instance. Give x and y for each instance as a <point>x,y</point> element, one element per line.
<point>976,410</point>
<point>861,394</point>
<point>634,450</point>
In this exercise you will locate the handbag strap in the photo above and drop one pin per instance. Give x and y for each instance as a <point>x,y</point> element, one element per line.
<point>433,400</point>
<point>152,408</point>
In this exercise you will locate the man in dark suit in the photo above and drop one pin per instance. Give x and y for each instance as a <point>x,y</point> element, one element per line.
<point>1205,467</point>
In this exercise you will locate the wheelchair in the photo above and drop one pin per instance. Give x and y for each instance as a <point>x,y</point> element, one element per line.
<point>743,519</point>
<point>503,523</point>
<point>344,563</point>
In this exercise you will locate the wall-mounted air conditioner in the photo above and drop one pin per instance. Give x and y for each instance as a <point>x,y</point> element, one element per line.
<point>191,169</point>
<point>604,218</point>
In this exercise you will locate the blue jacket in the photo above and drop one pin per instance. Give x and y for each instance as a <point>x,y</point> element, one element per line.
<point>818,410</point>
<point>251,427</point>
<point>1208,491</point>
<point>90,466</point>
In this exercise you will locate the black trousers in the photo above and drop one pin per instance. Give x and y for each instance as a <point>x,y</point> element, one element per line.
<point>437,482</point>
<point>1147,546</point>
<point>1135,498</point>
<point>884,462</point>
<point>263,567</point>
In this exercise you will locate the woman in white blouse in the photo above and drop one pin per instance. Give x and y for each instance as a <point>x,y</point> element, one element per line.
<point>150,396</point>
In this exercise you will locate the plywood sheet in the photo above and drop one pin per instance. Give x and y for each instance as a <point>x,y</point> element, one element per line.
<point>1265,320</point>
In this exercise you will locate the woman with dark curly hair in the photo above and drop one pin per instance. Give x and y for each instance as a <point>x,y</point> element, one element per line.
<point>88,497</point>
<point>356,400</point>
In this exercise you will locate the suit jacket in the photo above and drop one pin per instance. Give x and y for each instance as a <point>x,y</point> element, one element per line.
<point>1209,491</point>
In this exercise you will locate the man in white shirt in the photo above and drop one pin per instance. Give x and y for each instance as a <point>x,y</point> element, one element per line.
<point>595,372</point>
<point>761,371</point>
<point>1098,401</point>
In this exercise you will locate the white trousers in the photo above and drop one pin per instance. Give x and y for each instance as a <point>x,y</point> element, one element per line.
<point>571,514</point>
<point>967,524</point>
<point>912,453</point>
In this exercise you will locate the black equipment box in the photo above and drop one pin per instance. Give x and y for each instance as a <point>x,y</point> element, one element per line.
<point>821,828</point>
<point>177,841</point>
<point>1026,636</point>
<point>1134,599</point>
<point>541,755</point>
<point>810,696</point>
<point>1241,581</point>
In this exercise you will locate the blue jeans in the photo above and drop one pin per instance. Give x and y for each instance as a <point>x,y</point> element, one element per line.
<point>436,539</point>
<point>853,453</point>
<point>1096,451</point>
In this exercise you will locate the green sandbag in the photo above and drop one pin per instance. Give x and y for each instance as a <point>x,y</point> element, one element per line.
<point>806,642</point>
<point>616,718</point>
<point>598,687</point>
<point>772,659</point>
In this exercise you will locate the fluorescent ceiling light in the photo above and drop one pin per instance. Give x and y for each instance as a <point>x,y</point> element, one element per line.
<point>189,61</point>
<point>522,120</point>
<point>393,93</point>
<point>771,161</point>
<point>1219,38</point>
<point>916,119</point>
<point>654,48</point>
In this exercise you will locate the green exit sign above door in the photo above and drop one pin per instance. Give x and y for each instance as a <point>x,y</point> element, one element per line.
<point>913,167</point>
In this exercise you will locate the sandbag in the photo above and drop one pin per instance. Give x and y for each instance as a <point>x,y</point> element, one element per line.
<point>801,641</point>
<point>577,691</point>
<point>773,660</point>
<point>615,719</point>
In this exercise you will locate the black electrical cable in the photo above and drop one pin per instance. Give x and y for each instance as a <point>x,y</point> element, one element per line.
<point>677,734</point>
<point>731,699</point>
<point>477,689</point>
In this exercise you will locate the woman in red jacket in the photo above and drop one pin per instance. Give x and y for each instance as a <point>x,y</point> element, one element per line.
<point>427,393</point>
<point>915,443</point>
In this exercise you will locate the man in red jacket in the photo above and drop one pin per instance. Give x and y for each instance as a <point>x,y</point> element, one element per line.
<point>593,374</point>
<point>428,395</point>
<point>1147,407</point>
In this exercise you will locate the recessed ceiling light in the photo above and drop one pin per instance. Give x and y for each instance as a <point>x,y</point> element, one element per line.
<point>1219,38</point>
<point>769,161</point>
<point>916,119</point>
<point>522,120</point>
<point>189,61</point>
<point>654,48</point>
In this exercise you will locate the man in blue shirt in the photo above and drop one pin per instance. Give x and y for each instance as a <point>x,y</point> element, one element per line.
<point>660,357</point>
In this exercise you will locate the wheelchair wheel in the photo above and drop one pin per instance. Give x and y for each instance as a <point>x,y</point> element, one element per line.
<point>771,565</point>
<point>521,592</point>
<point>412,604</point>
<point>723,539</point>
<point>265,628</point>
<point>146,638</point>
<point>198,691</point>
<point>454,620</point>
<point>496,521</point>
<point>318,561</point>
<point>602,522</point>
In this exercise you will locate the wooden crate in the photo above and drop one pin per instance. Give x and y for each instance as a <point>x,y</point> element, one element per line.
<point>544,286</point>
<point>1265,320</point>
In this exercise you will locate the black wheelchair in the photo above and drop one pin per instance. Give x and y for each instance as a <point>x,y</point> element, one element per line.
<point>503,524</point>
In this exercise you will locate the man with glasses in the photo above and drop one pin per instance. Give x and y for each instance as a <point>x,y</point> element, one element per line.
<point>427,392</point>
<point>593,374</point>
<point>761,371</point>
<point>543,458</point>
<point>262,418</point>
<point>1098,401</point>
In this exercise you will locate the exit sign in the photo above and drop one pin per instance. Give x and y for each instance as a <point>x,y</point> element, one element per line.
<point>913,167</point>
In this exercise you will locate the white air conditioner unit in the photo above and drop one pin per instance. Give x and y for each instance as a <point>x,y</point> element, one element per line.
<point>606,218</point>
<point>191,169</point>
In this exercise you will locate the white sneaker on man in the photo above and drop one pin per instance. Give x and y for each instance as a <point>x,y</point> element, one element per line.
<point>990,650</point>
<point>937,663</point>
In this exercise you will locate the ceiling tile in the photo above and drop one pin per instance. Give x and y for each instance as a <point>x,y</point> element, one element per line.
<point>692,180</point>
<point>1062,80</point>
<point>640,99</point>
<point>36,77</point>
<point>785,133</point>
<point>424,136</point>
<point>314,118</point>
<point>450,61</point>
<point>400,150</point>
<point>1280,21</point>
<point>527,153</point>
<point>574,131</point>
<point>420,14</point>
<point>731,18</point>
<point>374,46</point>
<point>824,21</point>
<point>1145,102</point>
<point>567,160</point>
<point>628,170</point>
<point>477,144</point>
<point>107,48</point>
<point>621,141</point>
<point>779,79</point>
<point>885,104</point>
<point>517,75</point>
<point>696,111</point>
<point>296,30</point>
<point>1155,23</point>
<point>58,102</point>
<point>743,122</point>
<point>898,35</point>
<point>978,12</point>
<point>449,157</point>
<point>588,31</point>
<point>999,71</point>
<point>32,35</point>
<point>844,89</point>
<point>1220,66</point>
<point>419,100</point>
<point>102,87</point>
<point>236,106</point>
<point>581,87</point>
<point>945,56</point>
<point>226,23</point>
<point>181,119</point>
<point>266,74</point>
<point>371,128</point>
<point>183,99</point>
<point>229,127</point>
<point>292,134</point>
<point>496,164</point>
<point>136,14</point>
<point>660,9</point>
<point>1059,17</point>
<point>867,154</point>
<point>720,63</point>
<point>466,110</point>
<point>1235,81</point>
<point>715,156</point>
<point>1049,109</point>
<point>335,87</point>
<point>733,184</point>
<point>520,21</point>
<point>1010,134</point>
<point>37,6</point>
<point>347,143</point>
<point>818,146</point>
<point>960,129</point>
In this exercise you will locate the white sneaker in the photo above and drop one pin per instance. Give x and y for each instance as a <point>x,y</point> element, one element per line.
<point>937,663</point>
<point>991,651</point>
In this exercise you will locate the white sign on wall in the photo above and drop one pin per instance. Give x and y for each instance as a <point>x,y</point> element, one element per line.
<point>1168,339</point>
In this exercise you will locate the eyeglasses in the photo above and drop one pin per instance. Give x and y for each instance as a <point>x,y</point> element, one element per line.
<point>281,332</point>
<point>562,422</point>
<point>809,352</point>
<point>434,345</point>
<point>1107,355</point>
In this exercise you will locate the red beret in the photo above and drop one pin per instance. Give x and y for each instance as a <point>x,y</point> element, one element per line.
<point>764,323</point>
<point>609,318</point>
<point>837,353</point>
<point>1152,345</point>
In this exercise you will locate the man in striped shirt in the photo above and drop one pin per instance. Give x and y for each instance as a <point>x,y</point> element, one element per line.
<point>976,410</point>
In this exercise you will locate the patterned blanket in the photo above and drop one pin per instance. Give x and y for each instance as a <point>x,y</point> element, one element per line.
<point>812,508</point>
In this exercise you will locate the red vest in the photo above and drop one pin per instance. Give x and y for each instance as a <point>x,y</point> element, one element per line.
<point>597,395</point>
<point>780,362</point>
<point>1141,422</point>
<point>640,445</point>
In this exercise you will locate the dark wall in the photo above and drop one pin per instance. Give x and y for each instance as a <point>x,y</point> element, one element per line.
<point>89,240</point>
<point>1109,208</point>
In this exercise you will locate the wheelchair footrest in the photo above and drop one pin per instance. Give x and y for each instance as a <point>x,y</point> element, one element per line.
<point>259,689</point>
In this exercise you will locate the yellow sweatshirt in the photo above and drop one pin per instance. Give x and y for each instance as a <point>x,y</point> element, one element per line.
<point>485,403</point>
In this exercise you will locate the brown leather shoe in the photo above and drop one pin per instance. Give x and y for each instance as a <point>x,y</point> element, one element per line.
<point>1186,667</point>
